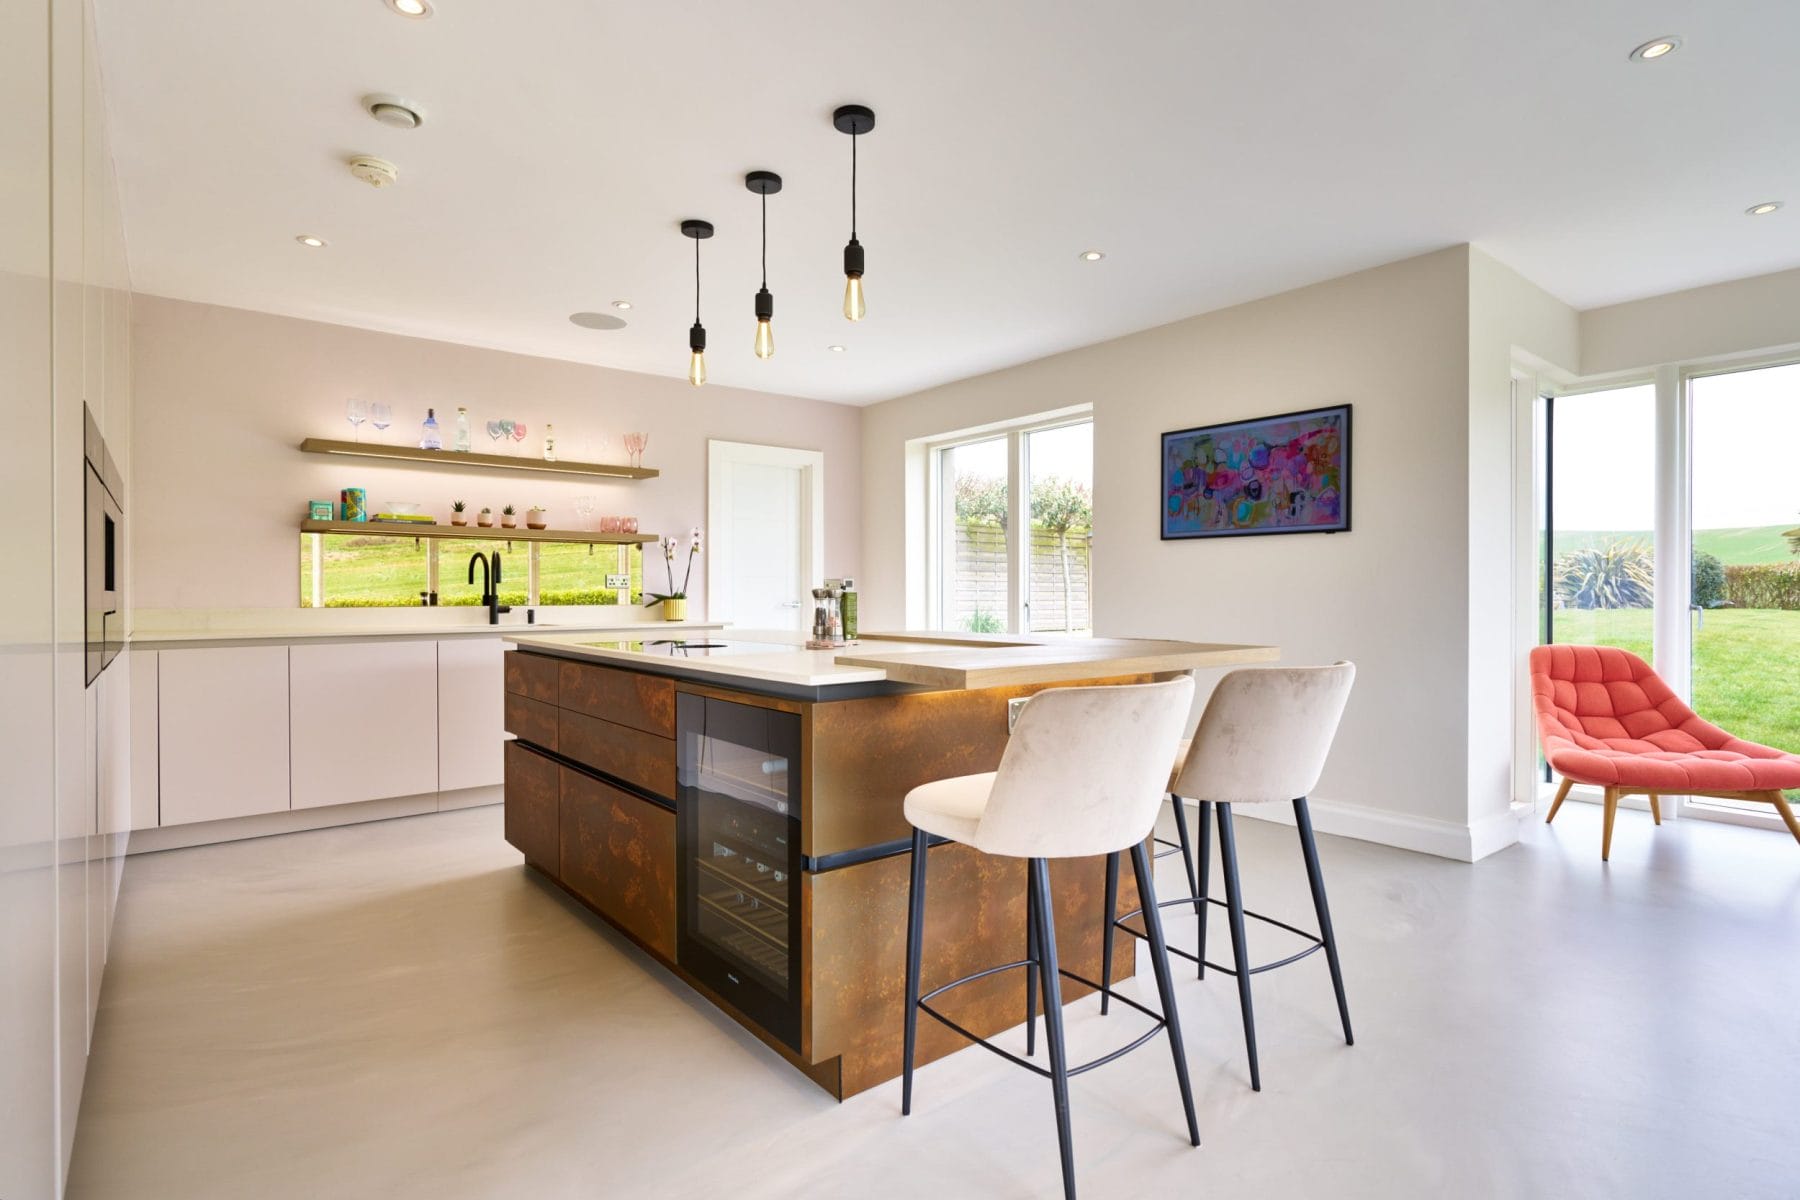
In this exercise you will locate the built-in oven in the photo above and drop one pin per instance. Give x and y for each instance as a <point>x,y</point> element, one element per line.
<point>738,825</point>
<point>105,550</point>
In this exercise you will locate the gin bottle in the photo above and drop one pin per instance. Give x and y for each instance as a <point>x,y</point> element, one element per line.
<point>462,430</point>
<point>428,433</point>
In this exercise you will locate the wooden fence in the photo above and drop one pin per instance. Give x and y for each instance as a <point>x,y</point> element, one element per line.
<point>1059,582</point>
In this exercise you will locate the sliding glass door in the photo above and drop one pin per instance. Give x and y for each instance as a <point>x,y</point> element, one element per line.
<point>1744,438</point>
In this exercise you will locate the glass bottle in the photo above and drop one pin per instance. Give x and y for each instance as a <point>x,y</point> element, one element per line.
<point>462,430</point>
<point>428,433</point>
<point>549,443</point>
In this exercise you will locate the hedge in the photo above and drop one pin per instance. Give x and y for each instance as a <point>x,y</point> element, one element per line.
<point>1763,585</point>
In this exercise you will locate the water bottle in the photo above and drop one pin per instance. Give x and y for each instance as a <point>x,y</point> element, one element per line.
<point>549,443</point>
<point>462,431</point>
<point>428,434</point>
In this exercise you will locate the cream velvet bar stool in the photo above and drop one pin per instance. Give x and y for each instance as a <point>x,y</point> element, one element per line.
<point>1081,776</point>
<point>1263,738</point>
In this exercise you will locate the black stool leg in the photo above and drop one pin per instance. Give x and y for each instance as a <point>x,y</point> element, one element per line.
<point>1165,984</point>
<point>915,928</point>
<point>1031,957</point>
<point>1205,857</point>
<point>1053,1020</point>
<point>1240,950</point>
<point>1310,850</point>
<point>1106,944</point>
<point>1187,847</point>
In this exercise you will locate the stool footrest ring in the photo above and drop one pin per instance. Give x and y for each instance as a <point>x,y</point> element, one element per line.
<point>1317,943</point>
<point>1159,1023</point>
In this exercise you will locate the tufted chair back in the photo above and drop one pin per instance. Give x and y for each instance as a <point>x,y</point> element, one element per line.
<point>1602,698</point>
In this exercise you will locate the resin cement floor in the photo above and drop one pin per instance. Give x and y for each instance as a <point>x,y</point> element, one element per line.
<point>401,1010</point>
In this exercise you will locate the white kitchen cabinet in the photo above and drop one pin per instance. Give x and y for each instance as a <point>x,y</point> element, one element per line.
<point>365,718</point>
<point>471,708</point>
<point>223,732</point>
<point>144,756</point>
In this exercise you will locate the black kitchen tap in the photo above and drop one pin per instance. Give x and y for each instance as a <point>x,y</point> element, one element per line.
<point>490,585</point>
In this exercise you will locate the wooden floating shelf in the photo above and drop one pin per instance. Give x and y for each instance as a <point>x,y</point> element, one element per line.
<point>488,533</point>
<point>453,458</point>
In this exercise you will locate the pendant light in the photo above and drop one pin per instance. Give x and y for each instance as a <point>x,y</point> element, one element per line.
<point>764,184</point>
<point>853,119</point>
<point>697,335</point>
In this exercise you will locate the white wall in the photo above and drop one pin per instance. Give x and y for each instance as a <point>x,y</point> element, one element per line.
<point>1392,594</point>
<point>225,396</point>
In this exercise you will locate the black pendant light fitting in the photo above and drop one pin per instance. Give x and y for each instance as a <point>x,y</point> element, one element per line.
<point>764,184</point>
<point>855,120</point>
<point>698,230</point>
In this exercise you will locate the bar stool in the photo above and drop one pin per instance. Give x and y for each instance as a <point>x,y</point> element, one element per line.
<point>1081,776</point>
<point>1264,737</point>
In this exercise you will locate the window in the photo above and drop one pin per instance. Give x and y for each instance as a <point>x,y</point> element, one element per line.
<point>383,571</point>
<point>987,578</point>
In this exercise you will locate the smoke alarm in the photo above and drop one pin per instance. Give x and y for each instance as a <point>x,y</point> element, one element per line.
<point>376,172</point>
<point>394,110</point>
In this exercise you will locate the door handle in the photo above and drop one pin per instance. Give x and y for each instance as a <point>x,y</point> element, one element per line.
<point>791,604</point>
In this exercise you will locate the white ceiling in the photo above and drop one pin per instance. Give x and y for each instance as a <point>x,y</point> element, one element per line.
<point>1216,151</point>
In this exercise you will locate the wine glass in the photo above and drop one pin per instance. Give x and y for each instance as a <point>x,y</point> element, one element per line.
<point>634,446</point>
<point>494,433</point>
<point>381,416</point>
<point>506,428</point>
<point>584,508</point>
<point>518,431</point>
<point>356,412</point>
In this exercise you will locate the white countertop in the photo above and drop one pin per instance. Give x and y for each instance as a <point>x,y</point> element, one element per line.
<point>788,661</point>
<point>429,626</point>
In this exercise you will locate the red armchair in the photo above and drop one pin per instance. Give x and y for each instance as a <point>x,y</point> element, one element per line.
<point>1606,719</point>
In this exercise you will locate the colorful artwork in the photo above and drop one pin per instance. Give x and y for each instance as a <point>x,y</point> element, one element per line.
<point>1282,474</point>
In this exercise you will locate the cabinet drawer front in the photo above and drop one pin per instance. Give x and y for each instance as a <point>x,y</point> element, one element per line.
<point>640,759</point>
<point>531,675</point>
<point>531,720</point>
<point>645,702</point>
<point>618,854</point>
<point>532,806</point>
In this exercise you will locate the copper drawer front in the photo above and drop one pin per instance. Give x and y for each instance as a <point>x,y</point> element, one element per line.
<point>531,675</point>
<point>640,759</point>
<point>630,698</point>
<point>531,720</point>
<point>618,854</point>
<point>532,806</point>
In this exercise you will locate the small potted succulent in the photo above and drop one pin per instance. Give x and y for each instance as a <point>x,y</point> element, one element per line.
<point>674,601</point>
<point>458,513</point>
<point>534,517</point>
<point>507,518</point>
<point>485,517</point>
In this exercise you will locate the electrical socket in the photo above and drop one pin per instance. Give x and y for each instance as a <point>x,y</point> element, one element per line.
<point>618,581</point>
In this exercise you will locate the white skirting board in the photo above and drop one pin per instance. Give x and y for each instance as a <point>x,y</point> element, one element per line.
<point>206,833</point>
<point>1445,839</point>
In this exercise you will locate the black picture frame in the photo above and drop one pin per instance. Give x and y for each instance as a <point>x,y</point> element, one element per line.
<point>1169,522</point>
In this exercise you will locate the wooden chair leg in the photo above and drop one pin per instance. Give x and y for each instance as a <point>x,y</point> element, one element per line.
<point>1655,809</point>
<point>1787,813</point>
<point>1561,794</point>
<point>1612,810</point>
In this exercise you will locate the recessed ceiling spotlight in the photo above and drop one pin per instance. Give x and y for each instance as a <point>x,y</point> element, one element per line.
<point>416,9</point>
<point>1763,209</point>
<point>307,239</point>
<point>594,320</point>
<point>1092,255</point>
<point>835,349</point>
<point>394,111</point>
<point>1661,47</point>
<point>621,304</point>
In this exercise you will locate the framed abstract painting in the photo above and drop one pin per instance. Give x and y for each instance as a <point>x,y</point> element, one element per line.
<point>1283,474</point>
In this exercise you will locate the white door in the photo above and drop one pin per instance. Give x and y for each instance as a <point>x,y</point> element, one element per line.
<point>766,517</point>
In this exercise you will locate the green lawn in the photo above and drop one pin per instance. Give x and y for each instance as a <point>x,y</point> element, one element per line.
<point>363,571</point>
<point>1746,664</point>
<point>1760,544</point>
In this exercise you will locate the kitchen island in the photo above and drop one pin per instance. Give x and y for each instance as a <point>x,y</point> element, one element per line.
<point>734,807</point>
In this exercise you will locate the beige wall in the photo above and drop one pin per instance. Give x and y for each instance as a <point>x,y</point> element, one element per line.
<point>1745,316</point>
<point>224,397</point>
<point>1392,594</point>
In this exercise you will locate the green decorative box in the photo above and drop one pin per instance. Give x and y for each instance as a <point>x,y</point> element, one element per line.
<point>321,510</point>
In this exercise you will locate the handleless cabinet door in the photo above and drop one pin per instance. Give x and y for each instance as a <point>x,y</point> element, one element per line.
<point>222,715</point>
<point>365,721</point>
<point>471,712</point>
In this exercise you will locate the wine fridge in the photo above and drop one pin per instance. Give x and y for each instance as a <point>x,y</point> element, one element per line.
<point>738,828</point>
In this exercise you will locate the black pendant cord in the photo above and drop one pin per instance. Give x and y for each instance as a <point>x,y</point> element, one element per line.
<point>765,241</point>
<point>853,186</point>
<point>696,281</point>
